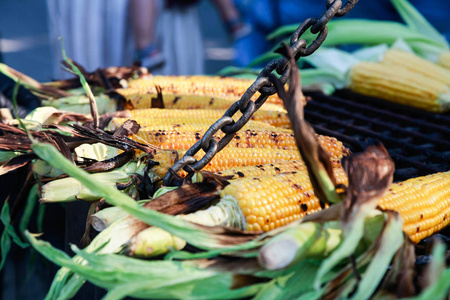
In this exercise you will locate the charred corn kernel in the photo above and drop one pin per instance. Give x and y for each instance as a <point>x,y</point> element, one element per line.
<point>422,202</point>
<point>444,60</point>
<point>196,85</point>
<point>271,201</point>
<point>165,159</point>
<point>187,124</point>
<point>275,118</point>
<point>271,169</point>
<point>231,157</point>
<point>134,99</point>
<point>398,84</point>
<point>166,139</point>
<point>416,64</point>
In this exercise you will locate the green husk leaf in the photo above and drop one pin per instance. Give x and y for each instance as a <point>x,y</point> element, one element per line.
<point>417,22</point>
<point>374,53</point>
<point>8,234</point>
<point>5,247</point>
<point>85,85</point>
<point>391,241</point>
<point>321,76</point>
<point>144,279</point>
<point>438,290</point>
<point>436,269</point>
<point>41,114</point>
<point>70,189</point>
<point>307,240</point>
<point>282,30</point>
<point>40,218</point>
<point>161,191</point>
<point>345,249</point>
<point>268,56</point>
<point>36,87</point>
<point>7,155</point>
<point>6,220</point>
<point>332,59</point>
<point>372,32</point>
<point>332,65</point>
<point>295,283</point>
<point>80,104</point>
<point>369,175</point>
<point>185,255</point>
<point>32,199</point>
<point>195,234</point>
<point>43,168</point>
<point>15,106</point>
<point>155,241</point>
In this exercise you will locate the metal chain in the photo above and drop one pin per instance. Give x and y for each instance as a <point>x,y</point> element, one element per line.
<point>262,85</point>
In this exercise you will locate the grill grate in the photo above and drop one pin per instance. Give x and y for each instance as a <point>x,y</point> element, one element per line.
<point>418,141</point>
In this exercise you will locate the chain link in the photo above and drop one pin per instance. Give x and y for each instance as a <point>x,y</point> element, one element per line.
<point>245,105</point>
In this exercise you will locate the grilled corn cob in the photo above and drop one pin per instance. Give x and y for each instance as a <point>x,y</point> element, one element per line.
<point>231,157</point>
<point>137,100</point>
<point>444,60</point>
<point>275,118</point>
<point>422,202</point>
<point>187,124</point>
<point>269,169</point>
<point>398,84</point>
<point>417,65</point>
<point>228,158</point>
<point>268,202</point>
<point>262,203</point>
<point>166,139</point>
<point>196,85</point>
<point>252,203</point>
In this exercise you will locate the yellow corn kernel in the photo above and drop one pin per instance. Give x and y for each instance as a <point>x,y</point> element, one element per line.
<point>444,60</point>
<point>166,159</point>
<point>416,64</point>
<point>166,139</point>
<point>187,124</point>
<point>231,157</point>
<point>398,84</point>
<point>275,118</point>
<point>274,168</point>
<point>197,85</point>
<point>271,201</point>
<point>134,99</point>
<point>422,202</point>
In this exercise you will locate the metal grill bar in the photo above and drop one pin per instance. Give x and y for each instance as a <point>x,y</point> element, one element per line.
<point>417,141</point>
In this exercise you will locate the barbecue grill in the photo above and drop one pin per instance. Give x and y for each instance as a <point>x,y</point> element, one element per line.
<point>418,141</point>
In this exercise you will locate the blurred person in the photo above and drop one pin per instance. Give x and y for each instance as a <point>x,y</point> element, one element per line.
<point>181,38</point>
<point>95,33</point>
<point>144,19</point>
<point>231,17</point>
<point>168,36</point>
<point>264,16</point>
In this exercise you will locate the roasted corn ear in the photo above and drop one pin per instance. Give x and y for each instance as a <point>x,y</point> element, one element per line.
<point>166,139</point>
<point>417,64</point>
<point>274,118</point>
<point>444,60</point>
<point>422,202</point>
<point>196,85</point>
<point>134,99</point>
<point>271,201</point>
<point>401,85</point>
